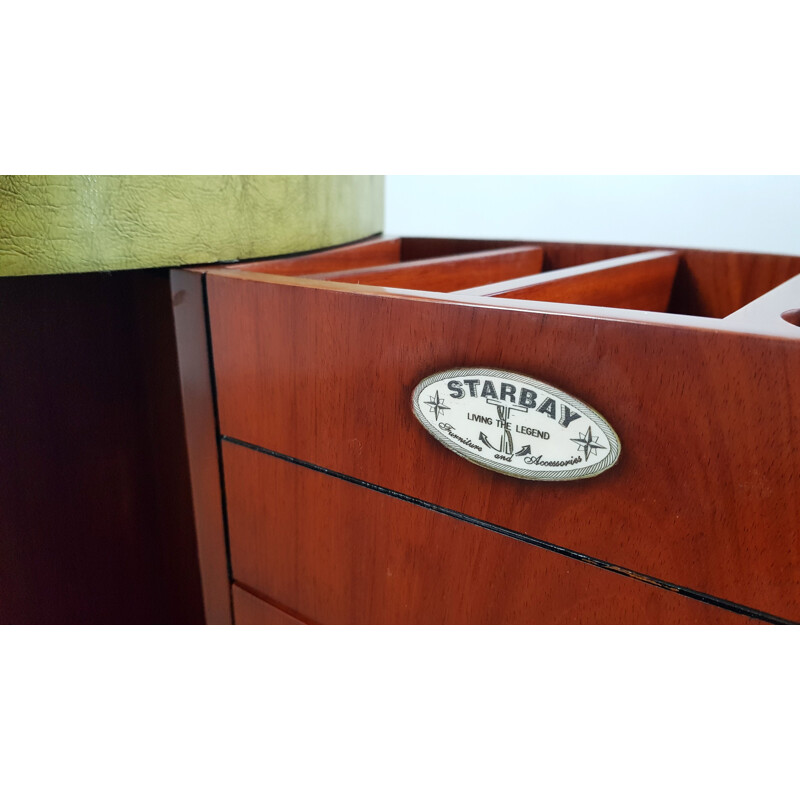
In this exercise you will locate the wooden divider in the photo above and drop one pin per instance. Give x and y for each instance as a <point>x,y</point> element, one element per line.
<point>640,281</point>
<point>776,312</point>
<point>716,284</point>
<point>445,274</point>
<point>557,255</point>
<point>372,253</point>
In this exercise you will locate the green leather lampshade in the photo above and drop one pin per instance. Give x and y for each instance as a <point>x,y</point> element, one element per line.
<point>87,223</point>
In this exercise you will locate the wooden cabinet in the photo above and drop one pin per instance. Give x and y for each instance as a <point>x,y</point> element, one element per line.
<point>316,490</point>
<point>96,519</point>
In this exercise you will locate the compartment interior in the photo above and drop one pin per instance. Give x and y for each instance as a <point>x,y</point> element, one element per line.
<point>716,284</point>
<point>446,273</point>
<point>691,282</point>
<point>640,281</point>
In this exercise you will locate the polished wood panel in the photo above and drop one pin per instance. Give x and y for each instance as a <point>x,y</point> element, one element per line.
<point>364,254</point>
<point>391,250</point>
<point>642,281</point>
<point>715,284</point>
<point>96,521</point>
<point>341,553</point>
<point>251,610</point>
<point>705,492</point>
<point>557,255</point>
<point>188,300</point>
<point>446,274</point>
<point>418,248</point>
<point>708,283</point>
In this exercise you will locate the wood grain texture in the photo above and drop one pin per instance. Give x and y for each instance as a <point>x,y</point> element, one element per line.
<point>341,553</point>
<point>188,300</point>
<point>251,610</point>
<point>642,281</point>
<point>364,254</point>
<point>708,283</point>
<point>705,494</point>
<point>715,284</point>
<point>418,248</point>
<point>96,521</point>
<point>446,274</point>
<point>557,255</point>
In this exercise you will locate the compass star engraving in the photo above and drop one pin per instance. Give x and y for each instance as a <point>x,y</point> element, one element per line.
<point>437,405</point>
<point>587,445</point>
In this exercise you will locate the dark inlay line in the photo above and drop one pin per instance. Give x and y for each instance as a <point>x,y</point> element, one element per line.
<point>220,465</point>
<point>684,591</point>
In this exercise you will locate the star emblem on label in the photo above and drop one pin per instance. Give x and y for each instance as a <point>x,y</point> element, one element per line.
<point>437,405</point>
<point>587,445</point>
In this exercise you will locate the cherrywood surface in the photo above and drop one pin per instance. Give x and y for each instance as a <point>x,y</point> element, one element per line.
<point>364,254</point>
<point>708,283</point>
<point>715,284</point>
<point>704,494</point>
<point>417,248</point>
<point>642,281</point>
<point>341,553</point>
<point>251,610</point>
<point>188,300</point>
<point>392,250</point>
<point>557,255</point>
<point>96,521</point>
<point>446,274</point>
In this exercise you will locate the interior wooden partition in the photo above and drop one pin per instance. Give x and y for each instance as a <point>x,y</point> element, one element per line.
<point>326,501</point>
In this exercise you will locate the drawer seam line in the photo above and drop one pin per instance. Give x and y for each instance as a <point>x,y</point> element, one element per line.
<point>683,591</point>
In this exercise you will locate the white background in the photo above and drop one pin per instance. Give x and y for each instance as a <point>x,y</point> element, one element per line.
<point>748,212</point>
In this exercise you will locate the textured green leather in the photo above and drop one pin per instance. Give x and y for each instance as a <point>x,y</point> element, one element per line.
<point>85,223</point>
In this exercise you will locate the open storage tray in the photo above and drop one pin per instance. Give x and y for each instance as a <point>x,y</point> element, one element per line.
<point>340,507</point>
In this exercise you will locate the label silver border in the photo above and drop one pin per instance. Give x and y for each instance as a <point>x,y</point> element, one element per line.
<point>615,446</point>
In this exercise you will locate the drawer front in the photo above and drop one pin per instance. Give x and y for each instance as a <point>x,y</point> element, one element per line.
<point>338,552</point>
<point>251,610</point>
<point>703,496</point>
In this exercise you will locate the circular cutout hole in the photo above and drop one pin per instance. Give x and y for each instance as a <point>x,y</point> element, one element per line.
<point>792,317</point>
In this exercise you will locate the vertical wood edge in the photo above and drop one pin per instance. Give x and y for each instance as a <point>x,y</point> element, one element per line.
<point>191,334</point>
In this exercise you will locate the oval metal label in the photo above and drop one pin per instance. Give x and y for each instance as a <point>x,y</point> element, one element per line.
<point>516,425</point>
